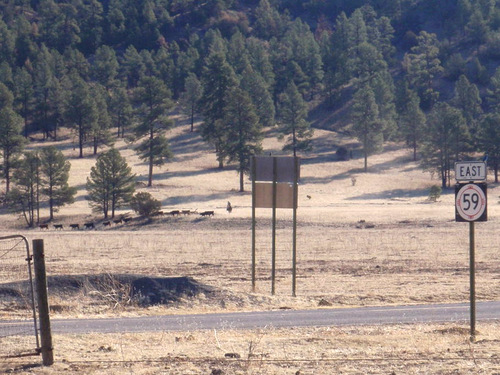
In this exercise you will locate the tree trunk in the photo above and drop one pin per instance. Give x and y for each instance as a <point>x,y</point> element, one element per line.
<point>242,186</point>
<point>80,139</point>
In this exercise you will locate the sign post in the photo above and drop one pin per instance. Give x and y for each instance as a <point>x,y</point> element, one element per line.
<point>275,185</point>
<point>471,206</point>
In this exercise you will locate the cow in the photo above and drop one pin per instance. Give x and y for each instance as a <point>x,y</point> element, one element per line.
<point>43,226</point>
<point>89,225</point>
<point>58,226</point>
<point>118,221</point>
<point>74,226</point>
<point>127,219</point>
<point>106,223</point>
<point>174,213</point>
<point>207,213</point>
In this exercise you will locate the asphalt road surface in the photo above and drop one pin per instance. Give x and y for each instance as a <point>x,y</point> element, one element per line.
<point>283,318</point>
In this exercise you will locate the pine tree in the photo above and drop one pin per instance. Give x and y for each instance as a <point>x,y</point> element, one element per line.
<point>253,83</point>
<point>11,141</point>
<point>244,133</point>
<point>293,118</point>
<point>422,66</point>
<point>447,140</point>
<point>153,100</point>
<point>411,119</point>
<point>191,96</point>
<point>55,174</point>
<point>467,99</point>
<point>366,123</point>
<point>24,95</point>
<point>80,111</point>
<point>217,79</point>
<point>111,183</point>
<point>120,110</point>
<point>105,67</point>
<point>488,140</point>
<point>24,197</point>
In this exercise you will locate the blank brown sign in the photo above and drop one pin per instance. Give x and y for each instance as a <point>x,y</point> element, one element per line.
<point>285,168</point>
<point>264,195</point>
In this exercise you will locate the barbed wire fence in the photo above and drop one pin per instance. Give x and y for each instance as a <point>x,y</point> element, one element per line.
<point>17,297</point>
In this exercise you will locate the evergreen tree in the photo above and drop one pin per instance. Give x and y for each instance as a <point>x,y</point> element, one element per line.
<point>24,198</point>
<point>422,66</point>
<point>55,174</point>
<point>383,89</point>
<point>11,141</point>
<point>24,95</point>
<point>488,140</point>
<point>366,126</point>
<point>132,67</point>
<point>411,119</point>
<point>217,79</point>
<point>447,140</point>
<point>100,131</point>
<point>293,118</point>
<point>111,183</point>
<point>153,99</point>
<point>105,67</point>
<point>120,110</point>
<point>244,133</point>
<point>253,83</point>
<point>467,99</point>
<point>191,96</point>
<point>80,111</point>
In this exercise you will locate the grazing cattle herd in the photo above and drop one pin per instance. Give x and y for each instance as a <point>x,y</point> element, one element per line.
<point>124,219</point>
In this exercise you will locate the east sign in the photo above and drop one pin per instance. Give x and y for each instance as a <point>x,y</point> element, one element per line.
<point>470,171</point>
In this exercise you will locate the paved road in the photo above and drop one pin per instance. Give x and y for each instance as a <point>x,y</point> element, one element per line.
<point>283,318</point>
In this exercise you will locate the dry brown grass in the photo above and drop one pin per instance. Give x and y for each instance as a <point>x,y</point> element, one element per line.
<point>377,242</point>
<point>393,349</point>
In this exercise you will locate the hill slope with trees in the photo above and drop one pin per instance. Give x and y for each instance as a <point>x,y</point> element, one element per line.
<point>424,73</point>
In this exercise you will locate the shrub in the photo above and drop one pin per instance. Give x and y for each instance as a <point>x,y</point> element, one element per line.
<point>144,204</point>
<point>434,193</point>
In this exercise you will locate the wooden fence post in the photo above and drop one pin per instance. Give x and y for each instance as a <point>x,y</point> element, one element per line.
<point>43,303</point>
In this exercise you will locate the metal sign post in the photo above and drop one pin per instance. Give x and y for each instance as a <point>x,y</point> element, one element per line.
<point>471,206</point>
<point>275,185</point>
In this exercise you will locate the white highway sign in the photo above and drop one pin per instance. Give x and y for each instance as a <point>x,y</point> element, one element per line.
<point>470,171</point>
<point>470,202</point>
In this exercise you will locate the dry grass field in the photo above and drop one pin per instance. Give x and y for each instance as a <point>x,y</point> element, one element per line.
<point>363,239</point>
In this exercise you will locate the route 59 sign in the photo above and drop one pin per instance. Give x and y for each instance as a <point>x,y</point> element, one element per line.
<point>470,202</point>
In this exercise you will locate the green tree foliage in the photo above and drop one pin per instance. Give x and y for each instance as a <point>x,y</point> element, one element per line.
<point>293,119</point>
<point>253,83</point>
<point>467,99</point>
<point>447,141</point>
<point>80,111</point>
<point>244,132</point>
<point>218,79</point>
<point>100,131</point>
<point>111,184</point>
<point>153,100</point>
<point>488,140</point>
<point>422,66</point>
<point>145,204</point>
<point>411,119</point>
<point>54,179</point>
<point>120,110</point>
<point>191,96</point>
<point>11,141</point>
<point>366,124</point>
<point>24,95</point>
<point>105,67</point>
<point>24,198</point>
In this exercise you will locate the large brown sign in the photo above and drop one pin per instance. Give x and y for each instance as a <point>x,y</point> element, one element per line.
<point>285,168</point>
<point>264,195</point>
